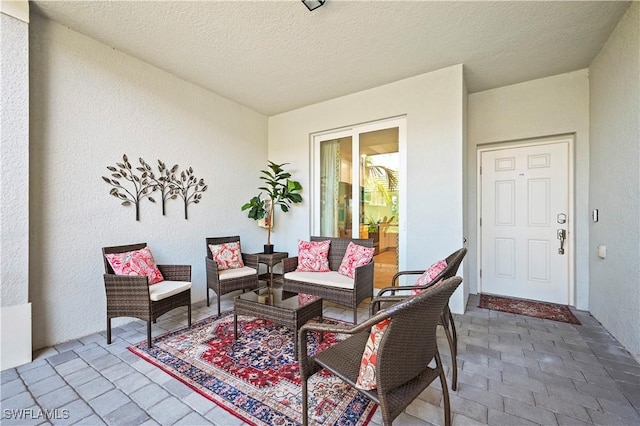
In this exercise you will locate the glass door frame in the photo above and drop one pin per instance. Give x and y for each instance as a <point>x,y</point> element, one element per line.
<point>354,132</point>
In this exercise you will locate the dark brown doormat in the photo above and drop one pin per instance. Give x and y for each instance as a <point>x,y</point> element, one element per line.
<point>530,308</point>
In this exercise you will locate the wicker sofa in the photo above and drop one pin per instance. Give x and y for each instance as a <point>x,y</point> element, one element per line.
<point>331,285</point>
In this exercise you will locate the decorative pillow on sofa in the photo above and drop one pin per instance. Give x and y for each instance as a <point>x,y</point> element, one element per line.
<point>367,376</point>
<point>138,262</point>
<point>354,257</point>
<point>313,256</point>
<point>428,275</point>
<point>227,256</point>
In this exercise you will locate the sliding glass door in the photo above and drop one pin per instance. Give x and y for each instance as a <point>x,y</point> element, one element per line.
<point>357,186</point>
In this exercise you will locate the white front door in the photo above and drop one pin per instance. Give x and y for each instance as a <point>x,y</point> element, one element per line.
<point>525,222</point>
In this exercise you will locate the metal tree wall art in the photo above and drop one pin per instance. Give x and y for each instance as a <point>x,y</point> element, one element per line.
<point>140,184</point>
<point>188,187</point>
<point>162,182</point>
<point>170,185</point>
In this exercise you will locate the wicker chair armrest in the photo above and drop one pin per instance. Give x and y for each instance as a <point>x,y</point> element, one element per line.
<point>394,282</point>
<point>250,260</point>
<point>362,283</point>
<point>347,328</point>
<point>126,286</point>
<point>212,270</point>
<point>394,290</point>
<point>363,276</point>
<point>176,272</point>
<point>289,264</point>
<point>128,280</point>
<point>377,301</point>
<point>307,367</point>
<point>329,328</point>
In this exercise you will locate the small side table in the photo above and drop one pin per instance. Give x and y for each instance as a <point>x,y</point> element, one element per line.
<point>271,260</point>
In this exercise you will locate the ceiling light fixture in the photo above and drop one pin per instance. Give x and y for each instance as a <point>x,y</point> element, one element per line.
<point>313,4</point>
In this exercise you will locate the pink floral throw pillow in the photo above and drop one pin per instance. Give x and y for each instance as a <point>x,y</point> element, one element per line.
<point>367,375</point>
<point>354,257</point>
<point>305,299</point>
<point>313,256</point>
<point>428,276</point>
<point>138,262</point>
<point>227,256</point>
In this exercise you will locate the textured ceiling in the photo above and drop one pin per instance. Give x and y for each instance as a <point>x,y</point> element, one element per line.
<point>275,56</point>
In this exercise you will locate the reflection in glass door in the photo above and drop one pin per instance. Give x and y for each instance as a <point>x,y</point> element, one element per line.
<point>357,182</point>
<point>379,201</point>
<point>336,207</point>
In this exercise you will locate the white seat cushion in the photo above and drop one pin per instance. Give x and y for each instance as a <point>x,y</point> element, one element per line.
<point>236,273</point>
<point>164,289</point>
<point>329,279</point>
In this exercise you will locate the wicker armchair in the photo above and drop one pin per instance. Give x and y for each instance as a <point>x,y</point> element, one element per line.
<point>383,299</point>
<point>352,297</point>
<point>226,281</point>
<point>405,352</point>
<point>130,296</point>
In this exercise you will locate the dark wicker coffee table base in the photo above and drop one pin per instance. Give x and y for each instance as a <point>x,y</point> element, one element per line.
<point>293,319</point>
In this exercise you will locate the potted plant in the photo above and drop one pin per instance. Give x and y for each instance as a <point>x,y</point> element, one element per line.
<point>280,191</point>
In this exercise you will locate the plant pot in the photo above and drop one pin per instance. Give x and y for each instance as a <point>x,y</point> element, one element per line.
<point>268,248</point>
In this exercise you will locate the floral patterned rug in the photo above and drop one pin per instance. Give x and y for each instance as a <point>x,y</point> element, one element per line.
<point>255,378</point>
<point>529,308</point>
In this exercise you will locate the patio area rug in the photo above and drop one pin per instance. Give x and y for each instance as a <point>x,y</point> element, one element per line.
<point>529,308</point>
<point>255,378</point>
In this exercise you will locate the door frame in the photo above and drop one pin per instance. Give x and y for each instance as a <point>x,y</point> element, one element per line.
<point>523,143</point>
<point>354,131</point>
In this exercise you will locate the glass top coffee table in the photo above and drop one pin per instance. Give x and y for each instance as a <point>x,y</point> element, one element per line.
<point>271,304</point>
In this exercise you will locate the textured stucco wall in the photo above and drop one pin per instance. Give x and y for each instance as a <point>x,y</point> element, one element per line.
<point>90,104</point>
<point>538,108</point>
<point>615,182</point>
<point>465,271</point>
<point>14,161</point>
<point>433,105</point>
<point>15,309</point>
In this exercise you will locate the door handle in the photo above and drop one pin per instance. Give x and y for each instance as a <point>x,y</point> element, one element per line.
<point>562,236</point>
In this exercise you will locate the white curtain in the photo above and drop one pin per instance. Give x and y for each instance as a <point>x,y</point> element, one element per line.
<point>329,185</point>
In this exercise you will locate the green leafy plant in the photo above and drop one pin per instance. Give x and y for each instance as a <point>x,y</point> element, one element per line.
<point>373,225</point>
<point>279,190</point>
<point>380,178</point>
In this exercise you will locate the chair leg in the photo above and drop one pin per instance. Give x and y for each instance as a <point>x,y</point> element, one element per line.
<point>149,334</point>
<point>207,296</point>
<point>445,392</point>
<point>305,406</point>
<point>108,331</point>
<point>452,349</point>
<point>445,398</point>
<point>218,304</point>
<point>189,314</point>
